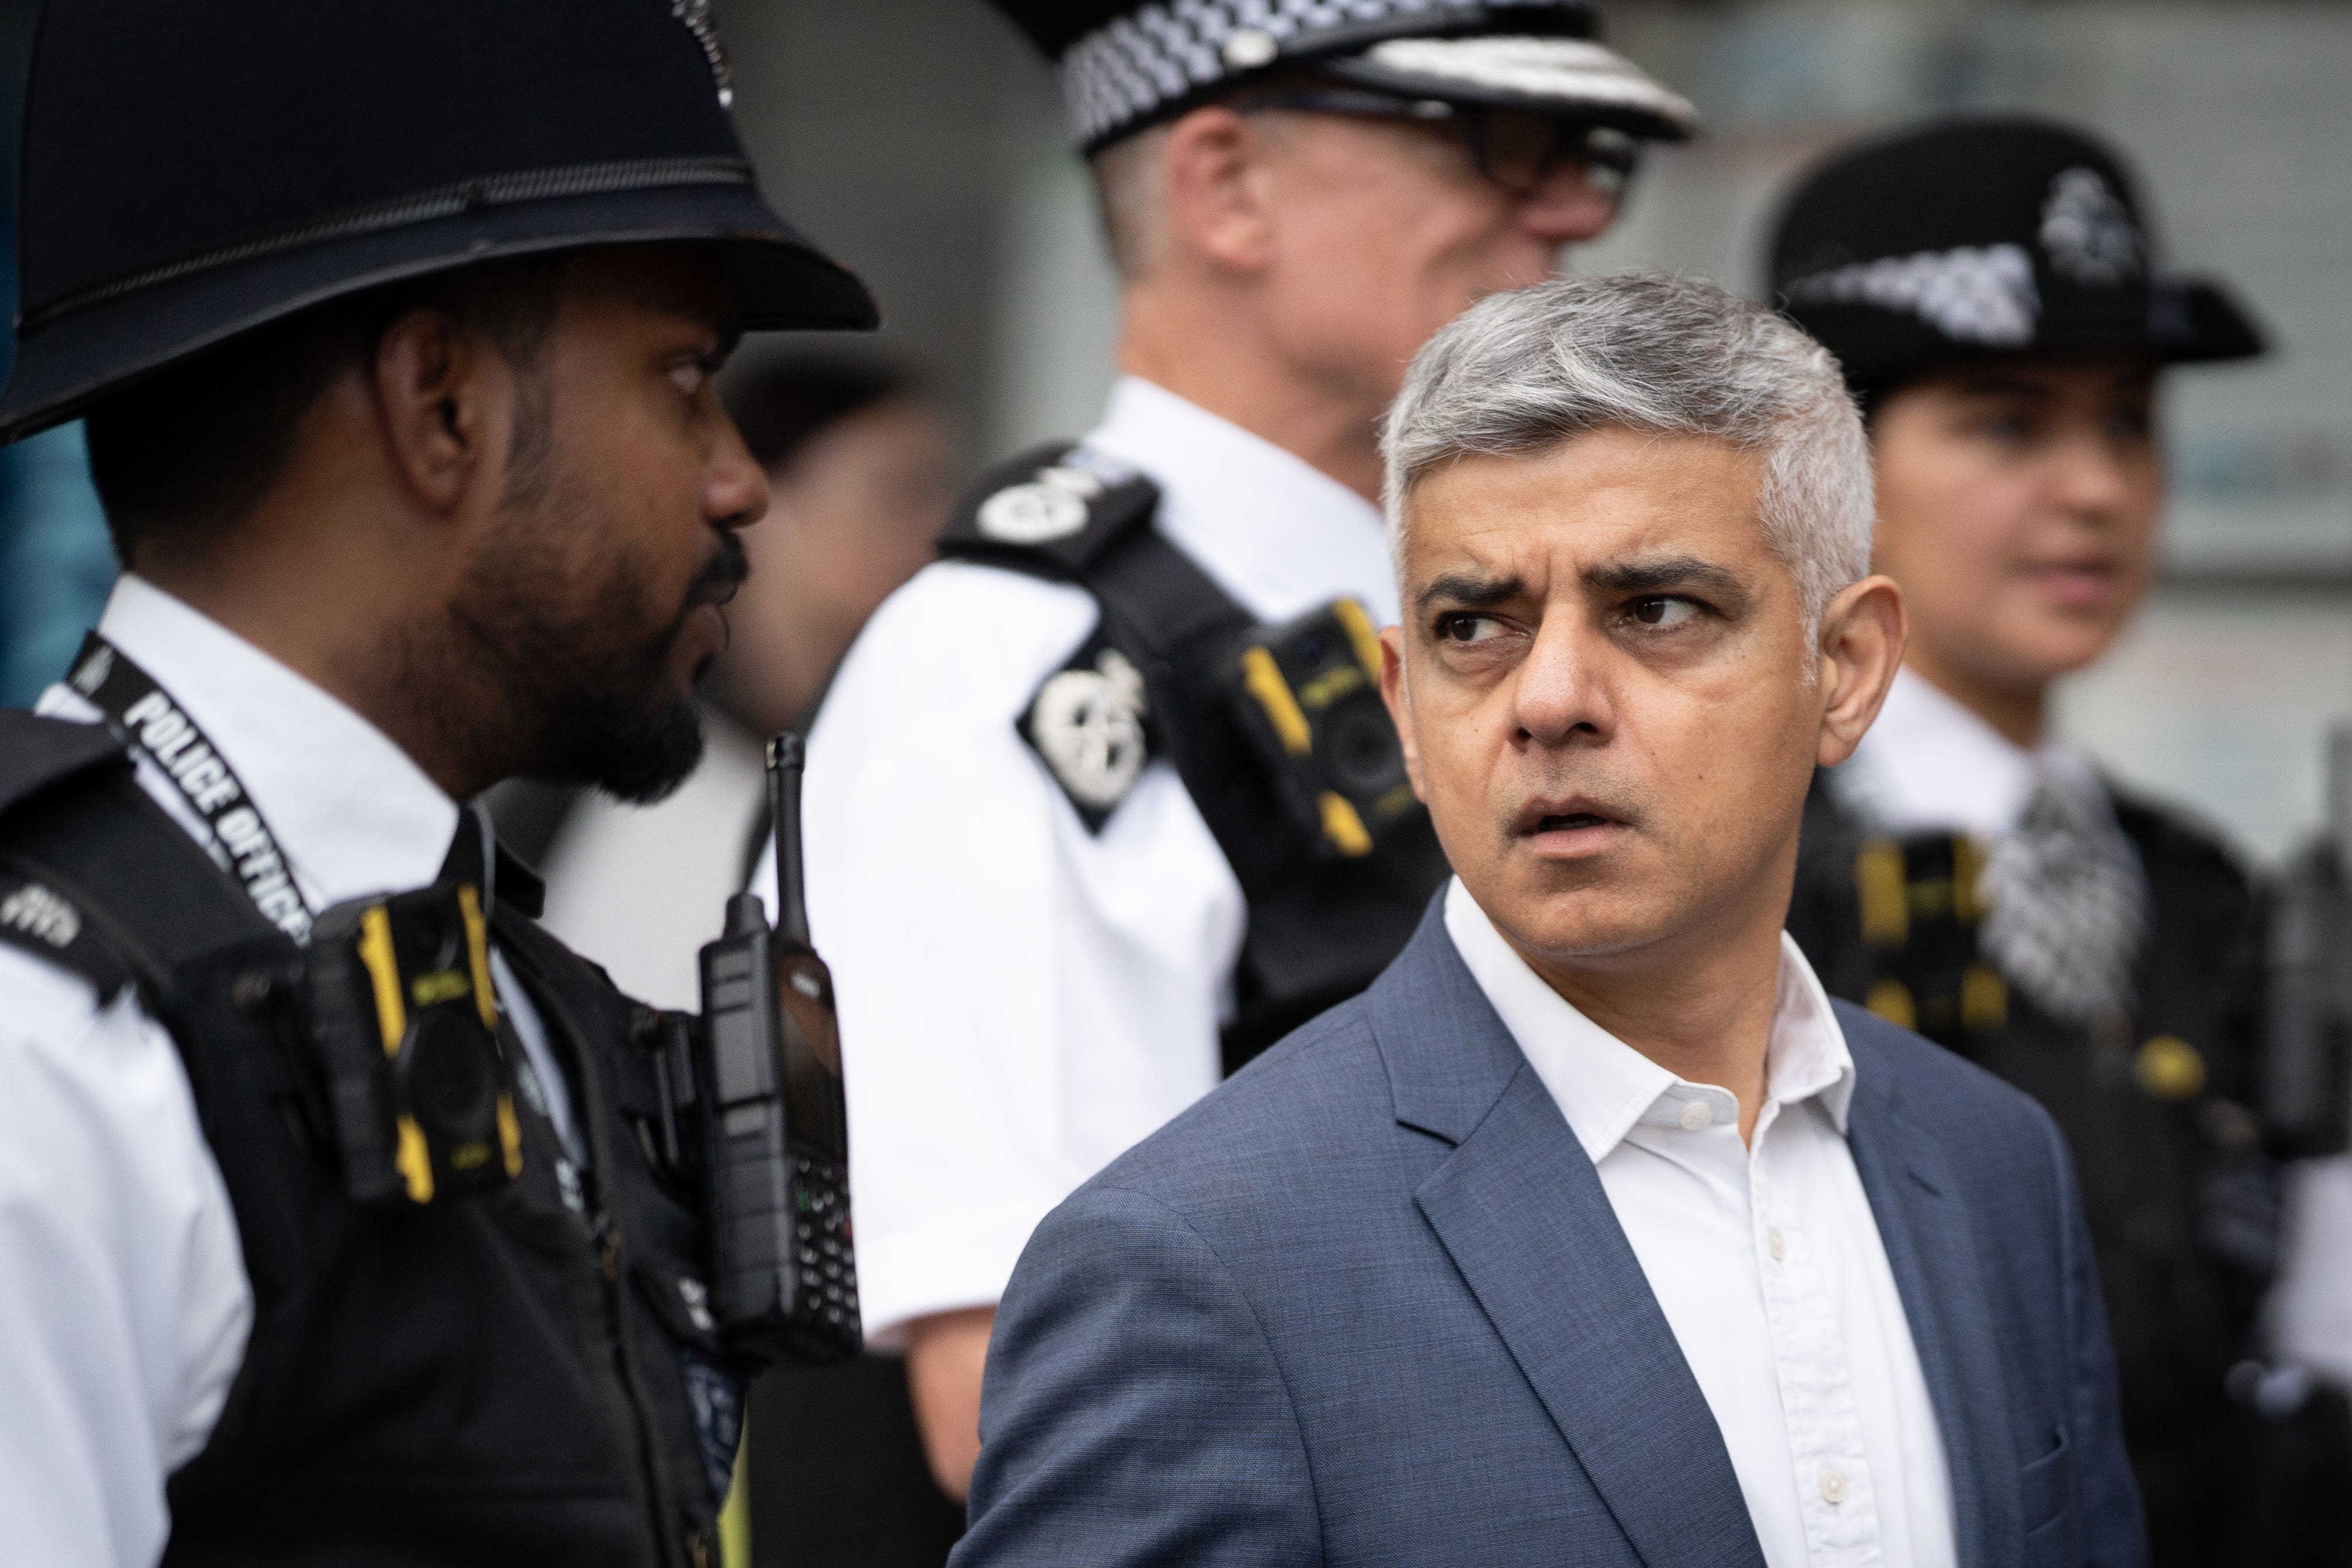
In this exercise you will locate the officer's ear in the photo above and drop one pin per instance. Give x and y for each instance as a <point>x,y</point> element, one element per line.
<point>1399,703</point>
<point>447,402</point>
<point>1218,199</point>
<point>1860,647</point>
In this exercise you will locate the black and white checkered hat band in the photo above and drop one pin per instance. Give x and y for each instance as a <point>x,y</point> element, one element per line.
<point>1126,69</point>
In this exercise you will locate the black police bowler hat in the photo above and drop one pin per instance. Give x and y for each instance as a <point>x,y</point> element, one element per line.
<point>1129,64</point>
<point>195,168</point>
<point>1978,236</point>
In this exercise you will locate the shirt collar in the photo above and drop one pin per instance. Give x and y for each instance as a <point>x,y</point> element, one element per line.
<point>351,813</point>
<point>1279,535</point>
<point>1604,1087</point>
<point>1930,764</point>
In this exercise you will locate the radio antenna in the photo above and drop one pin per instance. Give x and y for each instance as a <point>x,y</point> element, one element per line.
<point>784,760</point>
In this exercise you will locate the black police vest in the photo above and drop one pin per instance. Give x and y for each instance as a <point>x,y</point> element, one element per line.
<point>1320,928</point>
<point>2154,1105</point>
<point>493,1380</point>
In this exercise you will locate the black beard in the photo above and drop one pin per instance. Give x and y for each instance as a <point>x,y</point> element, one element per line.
<point>579,706</point>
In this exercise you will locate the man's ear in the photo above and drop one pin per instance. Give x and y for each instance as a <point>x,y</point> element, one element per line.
<point>1213,174</point>
<point>1399,699</point>
<point>1862,638</point>
<point>447,402</point>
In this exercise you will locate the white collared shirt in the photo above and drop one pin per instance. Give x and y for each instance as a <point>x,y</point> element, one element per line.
<point>124,1304</point>
<point>1022,999</point>
<point>1765,1259</point>
<point>1929,765</point>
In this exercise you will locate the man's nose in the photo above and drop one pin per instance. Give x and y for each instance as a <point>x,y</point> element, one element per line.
<point>1561,695</point>
<point>1567,205</point>
<point>734,485</point>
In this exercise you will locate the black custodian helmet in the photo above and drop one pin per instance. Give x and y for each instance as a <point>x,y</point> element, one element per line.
<point>193,169</point>
<point>1978,236</point>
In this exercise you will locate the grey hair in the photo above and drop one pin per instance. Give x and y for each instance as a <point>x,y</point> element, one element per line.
<point>1130,186</point>
<point>1520,372</point>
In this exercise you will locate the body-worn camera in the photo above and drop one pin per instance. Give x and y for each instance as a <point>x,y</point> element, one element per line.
<point>755,1117</point>
<point>405,1023</point>
<point>1308,693</point>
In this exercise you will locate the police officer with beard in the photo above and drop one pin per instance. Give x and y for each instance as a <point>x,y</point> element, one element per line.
<point>395,327</point>
<point>1994,296</point>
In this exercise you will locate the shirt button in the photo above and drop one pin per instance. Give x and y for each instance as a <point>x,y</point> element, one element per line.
<point>1780,1248</point>
<point>1696,1114</point>
<point>1833,1486</point>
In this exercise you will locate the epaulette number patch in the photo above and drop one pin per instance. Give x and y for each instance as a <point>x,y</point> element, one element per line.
<point>1087,724</point>
<point>1053,505</point>
<point>38,919</point>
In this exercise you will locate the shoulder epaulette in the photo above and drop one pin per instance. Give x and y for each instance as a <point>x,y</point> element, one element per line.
<point>38,915</point>
<point>1052,511</point>
<point>36,753</point>
<point>1056,512</point>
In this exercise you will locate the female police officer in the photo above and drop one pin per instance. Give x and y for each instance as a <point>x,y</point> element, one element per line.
<point>1992,292</point>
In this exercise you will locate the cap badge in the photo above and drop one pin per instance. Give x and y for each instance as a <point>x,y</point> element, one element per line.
<point>696,14</point>
<point>1088,726</point>
<point>2087,231</point>
<point>1250,48</point>
<point>1051,506</point>
<point>1972,294</point>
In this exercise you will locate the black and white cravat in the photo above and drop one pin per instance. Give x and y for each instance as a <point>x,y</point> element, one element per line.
<point>2066,903</point>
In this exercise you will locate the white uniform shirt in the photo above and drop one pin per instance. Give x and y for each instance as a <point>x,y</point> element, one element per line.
<point>1765,1259</point>
<point>124,1304</point>
<point>1930,765</point>
<point>1020,999</point>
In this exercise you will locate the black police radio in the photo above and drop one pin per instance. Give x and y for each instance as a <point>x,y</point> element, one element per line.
<point>756,1120</point>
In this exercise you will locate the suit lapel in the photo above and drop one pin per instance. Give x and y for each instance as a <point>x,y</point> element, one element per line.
<point>1935,1259</point>
<point>1521,1211</point>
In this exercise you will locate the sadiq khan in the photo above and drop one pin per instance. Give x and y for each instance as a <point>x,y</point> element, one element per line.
<point>1593,1233</point>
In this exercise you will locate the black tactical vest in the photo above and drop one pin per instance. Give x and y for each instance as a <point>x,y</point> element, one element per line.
<point>498,1380</point>
<point>2154,1105</point>
<point>1320,928</point>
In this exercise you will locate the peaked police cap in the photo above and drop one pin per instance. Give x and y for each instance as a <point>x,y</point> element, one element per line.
<point>1129,64</point>
<point>195,168</point>
<point>1986,235</point>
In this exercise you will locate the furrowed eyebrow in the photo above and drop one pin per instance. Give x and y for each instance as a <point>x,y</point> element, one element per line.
<point>1468,591</point>
<point>1669,573</point>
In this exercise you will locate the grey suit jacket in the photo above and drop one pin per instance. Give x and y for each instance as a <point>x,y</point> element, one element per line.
<point>1368,1304</point>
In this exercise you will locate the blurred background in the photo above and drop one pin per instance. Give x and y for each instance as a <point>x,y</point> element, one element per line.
<point>921,141</point>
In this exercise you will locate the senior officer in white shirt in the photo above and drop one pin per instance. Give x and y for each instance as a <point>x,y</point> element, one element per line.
<point>1046,941</point>
<point>1595,1231</point>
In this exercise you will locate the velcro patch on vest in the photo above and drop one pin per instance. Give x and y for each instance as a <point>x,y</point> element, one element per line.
<point>1089,723</point>
<point>42,921</point>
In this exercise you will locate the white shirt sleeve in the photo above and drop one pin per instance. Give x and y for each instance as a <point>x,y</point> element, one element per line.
<point>1020,999</point>
<point>2311,1306</point>
<point>123,1299</point>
